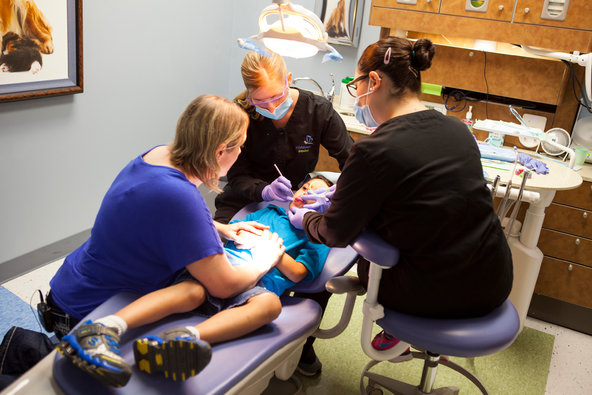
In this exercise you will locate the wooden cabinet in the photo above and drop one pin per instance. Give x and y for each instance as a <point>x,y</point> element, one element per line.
<point>415,5</point>
<point>577,16</point>
<point>508,21</point>
<point>500,10</point>
<point>565,278</point>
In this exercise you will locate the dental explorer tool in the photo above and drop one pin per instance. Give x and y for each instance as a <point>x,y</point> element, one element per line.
<point>281,175</point>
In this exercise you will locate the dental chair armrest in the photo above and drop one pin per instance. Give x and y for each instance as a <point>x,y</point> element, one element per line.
<point>373,248</point>
<point>340,285</point>
<point>345,284</point>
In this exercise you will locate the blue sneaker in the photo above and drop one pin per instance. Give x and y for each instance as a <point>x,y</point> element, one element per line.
<point>94,348</point>
<point>176,353</point>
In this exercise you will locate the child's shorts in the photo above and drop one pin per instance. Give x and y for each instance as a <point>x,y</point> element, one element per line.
<point>215,305</point>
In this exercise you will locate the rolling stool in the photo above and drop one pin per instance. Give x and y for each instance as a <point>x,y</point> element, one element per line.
<point>470,337</point>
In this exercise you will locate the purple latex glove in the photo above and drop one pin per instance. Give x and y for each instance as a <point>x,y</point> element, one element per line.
<point>280,189</point>
<point>296,216</point>
<point>321,197</point>
<point>531,163</point>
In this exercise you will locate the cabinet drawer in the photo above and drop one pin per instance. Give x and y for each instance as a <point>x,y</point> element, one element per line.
<point>569,220</point>
<point>564,246</point>
<point>500,10</point>
<point>565,281</point>
<point>579,197</point>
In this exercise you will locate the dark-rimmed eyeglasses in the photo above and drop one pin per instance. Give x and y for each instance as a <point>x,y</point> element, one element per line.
<point>351,86</point>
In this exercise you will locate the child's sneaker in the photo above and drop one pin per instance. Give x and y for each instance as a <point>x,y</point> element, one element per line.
<point>176,353</point>
<point>94,348</point>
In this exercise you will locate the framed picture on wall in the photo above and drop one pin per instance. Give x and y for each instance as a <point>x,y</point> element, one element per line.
<point>41,48</point>
<point>342,20</point>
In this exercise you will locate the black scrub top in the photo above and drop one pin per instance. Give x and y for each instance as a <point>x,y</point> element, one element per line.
<point>418,182</point>
<point>293,148</point>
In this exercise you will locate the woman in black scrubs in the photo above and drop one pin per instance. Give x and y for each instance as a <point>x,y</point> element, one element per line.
<point>417,181</point>
<point>286,129</point>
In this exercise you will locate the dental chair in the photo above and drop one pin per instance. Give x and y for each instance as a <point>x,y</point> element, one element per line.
<point>470,337</point>
<point>241,366</point>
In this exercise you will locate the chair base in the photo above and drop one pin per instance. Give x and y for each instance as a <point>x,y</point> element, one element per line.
<point>376,381</point>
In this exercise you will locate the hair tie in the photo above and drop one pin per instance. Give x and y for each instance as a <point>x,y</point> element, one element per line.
<point>387,56</point>
<point>413,52</point>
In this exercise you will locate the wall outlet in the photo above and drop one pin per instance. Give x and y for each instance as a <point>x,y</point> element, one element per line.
<point>535,121</point>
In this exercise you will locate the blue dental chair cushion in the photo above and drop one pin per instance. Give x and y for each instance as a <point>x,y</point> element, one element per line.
<point>231,361</point>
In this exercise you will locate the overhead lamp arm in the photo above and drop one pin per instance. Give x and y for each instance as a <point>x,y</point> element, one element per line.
<point>584,60</point>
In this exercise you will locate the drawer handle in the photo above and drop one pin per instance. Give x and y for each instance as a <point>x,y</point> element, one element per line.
<point>570,267</point>
<point>501,7</point>
<point>585,215</point>
<point>577,242</point>
<point>526,10</point>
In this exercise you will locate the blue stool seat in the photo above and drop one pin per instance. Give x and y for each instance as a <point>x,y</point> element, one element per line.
<point>467,337</point>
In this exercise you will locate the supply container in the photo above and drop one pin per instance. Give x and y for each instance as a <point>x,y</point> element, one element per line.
<point>346,101</point>
<point>581,155</point>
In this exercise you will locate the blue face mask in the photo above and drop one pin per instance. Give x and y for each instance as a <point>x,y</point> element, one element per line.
<point>363,113</point>
<point>279,112</point>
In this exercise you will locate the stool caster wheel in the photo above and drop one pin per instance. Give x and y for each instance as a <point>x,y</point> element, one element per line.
<point>372,389</point>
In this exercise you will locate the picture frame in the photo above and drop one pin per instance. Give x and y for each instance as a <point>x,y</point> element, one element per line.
<point>60,71</point>
<point>342,20</point>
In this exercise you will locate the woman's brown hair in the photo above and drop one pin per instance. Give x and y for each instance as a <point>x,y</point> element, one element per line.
<point>401,60</point>
<point>207,122</point>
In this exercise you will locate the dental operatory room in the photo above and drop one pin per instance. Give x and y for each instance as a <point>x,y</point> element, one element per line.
<point>364,196</point>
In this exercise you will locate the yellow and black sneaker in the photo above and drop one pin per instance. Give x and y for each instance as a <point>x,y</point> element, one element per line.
<point>176,353</point>
<point>94,348</point>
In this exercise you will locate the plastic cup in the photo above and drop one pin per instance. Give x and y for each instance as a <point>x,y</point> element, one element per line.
<point>581,155</point>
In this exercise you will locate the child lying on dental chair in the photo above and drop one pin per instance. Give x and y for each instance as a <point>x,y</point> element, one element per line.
<point>188,350</point>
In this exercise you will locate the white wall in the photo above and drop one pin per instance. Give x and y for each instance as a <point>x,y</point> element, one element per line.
<point>143,62</point>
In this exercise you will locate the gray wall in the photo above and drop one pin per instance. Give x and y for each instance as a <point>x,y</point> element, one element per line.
<point>143,63</point>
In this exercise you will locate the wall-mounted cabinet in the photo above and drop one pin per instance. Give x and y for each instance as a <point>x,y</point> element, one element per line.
<point>567,14</point>
<point>537,23</point>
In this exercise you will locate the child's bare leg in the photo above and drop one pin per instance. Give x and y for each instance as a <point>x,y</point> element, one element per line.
<point>237,321</point>
<point>177,298</point>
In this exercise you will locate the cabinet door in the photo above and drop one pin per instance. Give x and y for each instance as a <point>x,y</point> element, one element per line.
<point>417,5</point>
<point>565,281</point>
<point>564,246</point>
<point>577,16</point>
<point>500,10</point>
<point>569,220</point>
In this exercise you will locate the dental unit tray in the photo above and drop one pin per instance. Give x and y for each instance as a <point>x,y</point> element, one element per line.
<point>514,129</point>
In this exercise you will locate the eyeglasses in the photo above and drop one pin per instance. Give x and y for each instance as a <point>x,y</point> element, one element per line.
<point>271,100</point>
<point>351,86</point>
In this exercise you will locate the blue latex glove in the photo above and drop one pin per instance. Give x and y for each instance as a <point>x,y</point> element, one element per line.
<point>531,163</point>
<point>280,189</point>
<point>296,216</point>
<point>322,199</point>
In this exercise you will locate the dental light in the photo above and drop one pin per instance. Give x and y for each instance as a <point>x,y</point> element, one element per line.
<point>290,30</point>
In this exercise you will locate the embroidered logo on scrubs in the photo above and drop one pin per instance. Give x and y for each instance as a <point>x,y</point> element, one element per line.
<point>308,141</point>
